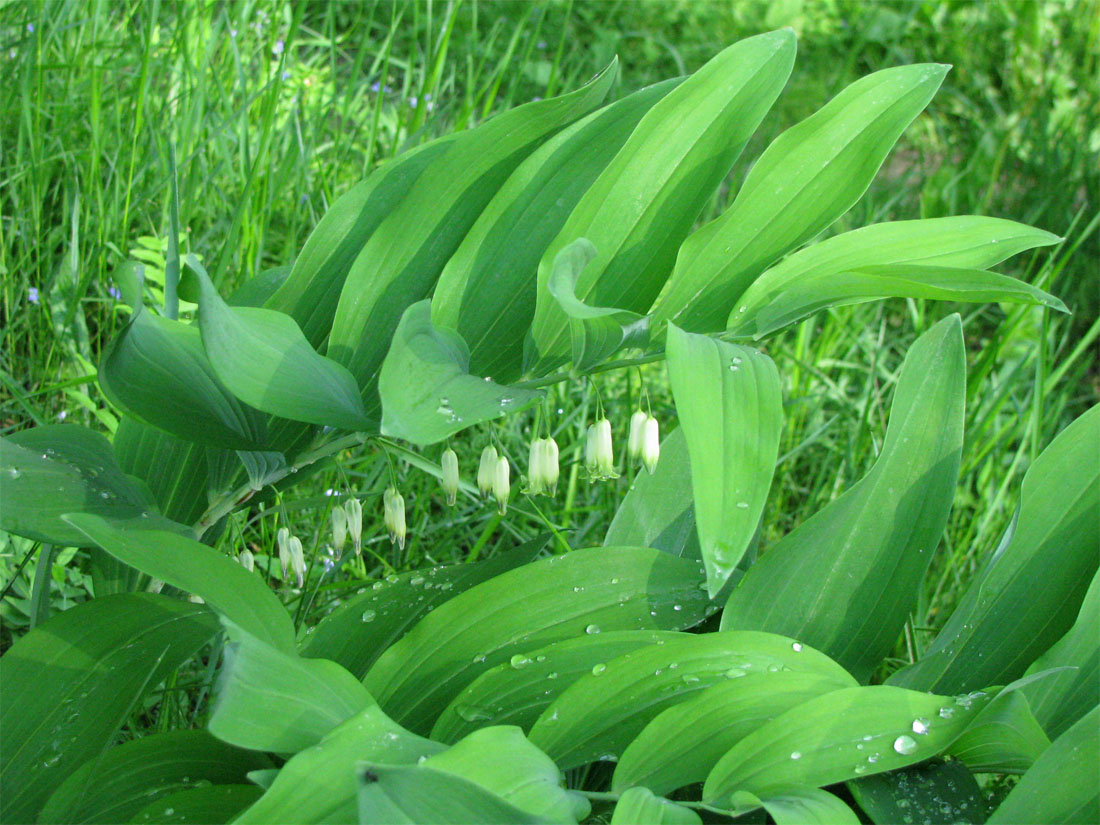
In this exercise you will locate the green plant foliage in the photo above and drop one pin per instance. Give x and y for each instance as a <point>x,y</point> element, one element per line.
<point>1003,738</point>
<point>798,806</point>
<point>849,552</point>
<point>940,791</point>
<point>639,806</point>
<point>731,415</point>
<point>200,806</point>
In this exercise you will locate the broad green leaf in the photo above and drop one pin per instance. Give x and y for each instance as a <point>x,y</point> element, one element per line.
<point>228,588</point>
<point>501,760</point>
<point>639,806</point>
<point>403,258</point>
<point>1060,699</point>
<point>176,471</point>
<point>319,785</point>
<point>871,546</point>
<point>644,203</point>
<point>258,289</point>
<point>1004,622</point>
<point>595,332</point>
<point>71,683</point>
<point>798,806</point>
<point>65,468</point>
<point>270,700</point>
<point>731,411</point>
<point>870,283</point>
<point>362,628</point>
<point>517,691</point>
<point>657,511</point>
<point>157,371</point>
<point>312,290</point>
<point>601,713</point>
<point>1061,785</point>
<point>1003,738</point>
<point>812,277</point>
<point>934,791</point>
<point>842,735</point>
<point>681,745</point>
<point>390,795</point>
<point>263,358</point>
<point>807,178</point>
<point>426,387</point>
<point>210,805</point>
<point>116,785</point>
<point>564,597</point>
<point>487,290</point>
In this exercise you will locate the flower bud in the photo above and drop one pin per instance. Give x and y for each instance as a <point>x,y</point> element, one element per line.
<point>339,528</point>
<point>297,559</point>
<point>651,444</point>
<point>542,473</point>
<point>354,512</point>
<point>487,470</point>
<point>501,484</point>
<point>449,462</point>
<point>282,538</point>
<point>637,432</point>
<point>394,505</point>
<point>598,454</point>
<point>247,560</point>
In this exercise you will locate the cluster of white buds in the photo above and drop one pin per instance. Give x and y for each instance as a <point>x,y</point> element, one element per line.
<point>353,512</point>
<point>449,463</point>
<point>599,456</point>
<point>291,556</point>
<point>394,504</point>
<point>247,560</point>
<point>486,470</point>
<point>339,528</point>
<point>542,472</point>
<point>644,443</point>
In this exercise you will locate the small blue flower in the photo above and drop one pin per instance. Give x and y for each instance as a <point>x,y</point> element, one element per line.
<point>32,295</point>
<point>277,49</point>
<point>114,292</point>
<point>30,28</point>
<point>286,75</point>
<point>541,45</point>
<point>375,86</point>
<point>233,33</point>
<point>413,101</point>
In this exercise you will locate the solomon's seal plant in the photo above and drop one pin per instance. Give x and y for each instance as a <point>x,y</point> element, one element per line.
<point>669,675</point>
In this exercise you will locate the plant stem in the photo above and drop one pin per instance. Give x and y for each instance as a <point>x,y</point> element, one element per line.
<point>559,377</point>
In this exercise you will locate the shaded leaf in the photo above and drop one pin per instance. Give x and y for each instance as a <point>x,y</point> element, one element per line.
<point>639,806</point>
<point>211,805</point>
<point>798,806</point>
<point>934,791</point>
<point>1003,738</point>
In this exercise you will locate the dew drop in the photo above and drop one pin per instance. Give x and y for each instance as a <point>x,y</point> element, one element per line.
<point>796,647</point>
<point>920,726</point>
<point>598,669</point>
<point>947,712</point>
<point>368,615</point>
<point>592,629</point>
<point>905,745</point>
<point>796,754</point>
<point>519,660</point>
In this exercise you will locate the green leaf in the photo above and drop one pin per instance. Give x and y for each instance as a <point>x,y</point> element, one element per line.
<point>1004,622</point>
<point>405,255</point>
<point>934,791</point>
<point>427,390</point>
<point>842,735</point>
<point>639,806</point>
<point>157,370</point>
<point>681,745</point>
<point>176,471</point>
<point>871,546</point>
<point>319,785</point>
<point>601,713</point>
<point>501,760</point>
<point>71,683</point>
<point>270,700</point>
<point>798,806</point>
<point>228,588</point>
<point>658,511</point>
<point>1003,738</point>
<point>362,628</point>
<point>564,597</point>
<point>263,358</point>
<point>258,289</point>
<point>487,290</point>
<point>731,411</point>
<point>1060,699</point>
<point>1061,785</point>
<point>823,274</point>
<point>645,202</point>
<point>312,290</point>
<point>200,806</point>
<point>517,691</point>
<point>806,179</point>
<point>64,468</point>
<point>115,786</point>
<point>392,795</point>
<point>596,333</point>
